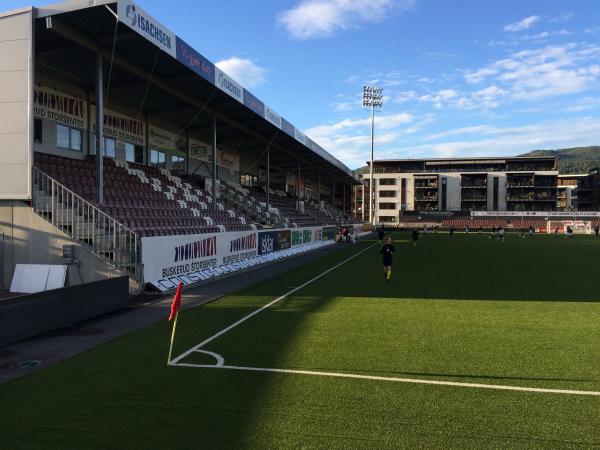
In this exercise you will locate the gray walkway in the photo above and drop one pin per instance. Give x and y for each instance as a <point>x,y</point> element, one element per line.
<point>51,348</point>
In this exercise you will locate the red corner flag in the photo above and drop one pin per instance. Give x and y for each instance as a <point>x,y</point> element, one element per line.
<point>176,301</point>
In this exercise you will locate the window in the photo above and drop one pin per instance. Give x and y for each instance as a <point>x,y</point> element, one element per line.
<point>387,194</point>
<point>177,162</point>
<point>75,139</point>
<point>134,153</point>
<point>68,138</point>
<point>37,131</point>
<point>387,206</point>
<point>387,219</point>
<point>62,137</point>
<point>110,148</point>
<point>248,180</point>
<point>386,181</point>
<point>157,158</point>
<point>129,152</point>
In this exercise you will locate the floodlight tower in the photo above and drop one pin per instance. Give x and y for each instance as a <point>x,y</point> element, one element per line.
<point>372,98</point>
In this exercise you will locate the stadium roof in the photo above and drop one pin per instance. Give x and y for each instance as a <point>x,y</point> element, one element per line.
<point>155,68</point>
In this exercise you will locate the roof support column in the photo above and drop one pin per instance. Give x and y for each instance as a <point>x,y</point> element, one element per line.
<point>298,187</point>
<point>146,159</point>
<point>268,178</point>
<point>319,188</point>
<point>214,162</point>
<point>99,130</point>
<point>333,193</point>
<point>344,199</point>
<point>362,208</point>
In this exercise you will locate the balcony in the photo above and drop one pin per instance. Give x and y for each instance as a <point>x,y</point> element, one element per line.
<point>530,199</point>
<point>473,199</point>
<point>513,185</point>
<point>473,186</point>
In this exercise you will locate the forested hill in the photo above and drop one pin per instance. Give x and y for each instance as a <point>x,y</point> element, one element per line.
<point>572,160</point>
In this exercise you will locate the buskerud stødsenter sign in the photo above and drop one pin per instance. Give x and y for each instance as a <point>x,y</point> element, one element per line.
<point>147,26</point>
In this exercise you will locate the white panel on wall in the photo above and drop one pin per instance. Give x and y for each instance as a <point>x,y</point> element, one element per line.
<point>15,100</point>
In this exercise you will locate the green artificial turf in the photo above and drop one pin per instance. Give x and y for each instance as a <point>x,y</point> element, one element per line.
<point>523,312</point>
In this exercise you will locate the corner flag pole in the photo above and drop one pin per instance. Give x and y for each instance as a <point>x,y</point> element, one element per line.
<point>172,338</point>
<point>174,315</point>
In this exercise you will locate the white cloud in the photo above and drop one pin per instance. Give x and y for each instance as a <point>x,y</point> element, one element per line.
<point>592,31</point>
<point>343,106</point>
<point>350,139</point>
<point>312,19</point>
<point>563,17</point>
<point>382,121</point>
<point>405,96</point>
<point>584,104</point>
<point>244,71</point>
<point>544,35</point>
<point>521,25</point>
<point>487,140</point>
<point>545,72</point>
<point>439,98</point>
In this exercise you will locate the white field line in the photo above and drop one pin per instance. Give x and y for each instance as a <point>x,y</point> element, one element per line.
<point>400,380</point>
<point>268,305</point>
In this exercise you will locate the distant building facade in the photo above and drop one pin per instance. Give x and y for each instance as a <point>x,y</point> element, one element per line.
<point>466,184</point>
<point>588,191</point>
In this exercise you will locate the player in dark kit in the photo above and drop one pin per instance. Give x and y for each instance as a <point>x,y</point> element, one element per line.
<point>414,237</point>
<point>387,251</point>
<point>381,234</point>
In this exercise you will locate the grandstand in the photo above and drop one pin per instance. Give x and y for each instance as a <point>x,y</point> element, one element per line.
<point>487,221</point>
<point>188,153</point>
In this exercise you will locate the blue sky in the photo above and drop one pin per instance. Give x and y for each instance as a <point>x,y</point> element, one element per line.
<point>464,78</point>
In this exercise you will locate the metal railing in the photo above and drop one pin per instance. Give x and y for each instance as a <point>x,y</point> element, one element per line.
<point>81,220</point>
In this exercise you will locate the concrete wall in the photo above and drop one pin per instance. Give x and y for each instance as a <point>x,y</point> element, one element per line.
<point>16,79</point>
<point>452,190</point>
<point>29,239</point>
<point>29,315</point>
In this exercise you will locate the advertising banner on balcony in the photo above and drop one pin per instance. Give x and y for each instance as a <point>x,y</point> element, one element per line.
<point>200,150</point>
<point>228,160</point>
<point>121,127</point>
<point>59,107</point>
<point>167,141</point>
